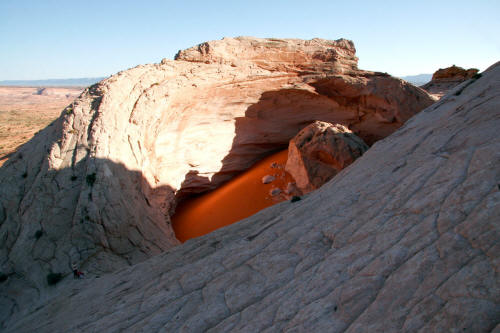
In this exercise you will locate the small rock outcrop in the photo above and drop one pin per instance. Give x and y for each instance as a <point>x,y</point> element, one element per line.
<point>445,79</point>
<point>319,152</point>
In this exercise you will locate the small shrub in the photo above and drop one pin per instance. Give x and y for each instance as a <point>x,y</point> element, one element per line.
<point>24,175</point>
<point>73,178</point>
<point>91,179</point>
<point>295,198</point>
<point>3,277</point>
<point>53,278</point>
<point>38,234</point>
<point>477,76</point>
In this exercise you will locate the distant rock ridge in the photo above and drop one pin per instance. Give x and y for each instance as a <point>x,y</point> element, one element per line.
<point>445,79</point>
<point>97,187</point>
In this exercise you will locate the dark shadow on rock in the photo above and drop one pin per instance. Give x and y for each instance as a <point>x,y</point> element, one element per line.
<point>51,219</point>
<point>266,128</point>
<point>269,124</point>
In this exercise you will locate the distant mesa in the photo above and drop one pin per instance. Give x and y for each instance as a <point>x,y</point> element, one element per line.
<point>79,82</point>
<point>418,80</point>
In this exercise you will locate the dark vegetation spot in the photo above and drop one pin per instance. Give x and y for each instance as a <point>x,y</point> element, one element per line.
<point>24,175</point>
<point>499,187</point>
<point>20,156</point>
<point>214,244</point>
<point>86,218</point>
<point>91,179</point>
<point>335,308</point>
<point>3,277</point>
<point>477,76</point>
<point>295,198</point>
<point>53,278</point>
<point>38,234</point>
<point>90,196</point>
<point>73,178</point>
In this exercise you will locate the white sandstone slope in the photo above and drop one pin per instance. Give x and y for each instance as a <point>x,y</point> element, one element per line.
<point>405,239</point>
<point>97,187</point>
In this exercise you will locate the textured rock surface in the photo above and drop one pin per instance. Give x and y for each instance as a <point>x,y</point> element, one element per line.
<point>406,239</point>
<point>284,55</point>
<point>319,152</point>
<point>445,79</point>
<point>98,186</point>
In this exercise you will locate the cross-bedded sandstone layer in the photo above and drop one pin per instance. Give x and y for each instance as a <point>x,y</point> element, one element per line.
<point>405,239</point>
<point>98,186</point>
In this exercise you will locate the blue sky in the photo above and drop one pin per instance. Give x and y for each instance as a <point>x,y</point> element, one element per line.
<point>41,39</point>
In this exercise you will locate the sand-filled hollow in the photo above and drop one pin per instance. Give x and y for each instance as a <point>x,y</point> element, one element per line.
<point>237,199</point>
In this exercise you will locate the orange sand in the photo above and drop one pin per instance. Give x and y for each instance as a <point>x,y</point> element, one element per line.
<point>239,198</point>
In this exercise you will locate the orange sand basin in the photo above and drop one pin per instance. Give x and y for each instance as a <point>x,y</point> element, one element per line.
<point>239,198</point>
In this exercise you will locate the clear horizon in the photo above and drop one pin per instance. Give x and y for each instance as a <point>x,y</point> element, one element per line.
<point>57,39</point>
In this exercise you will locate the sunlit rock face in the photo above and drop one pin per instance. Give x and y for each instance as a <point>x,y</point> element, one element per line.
<point>97,187</point>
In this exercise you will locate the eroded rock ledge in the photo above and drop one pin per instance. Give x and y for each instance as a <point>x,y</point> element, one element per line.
<point>98,186</point>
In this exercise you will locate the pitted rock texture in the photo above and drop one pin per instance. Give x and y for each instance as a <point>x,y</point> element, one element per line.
<point>320,151</point>
<point>405,239</point>
<point>97,187</point>
<point>445,79</point>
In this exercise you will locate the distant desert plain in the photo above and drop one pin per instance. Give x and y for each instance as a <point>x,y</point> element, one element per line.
<point>27,110</point>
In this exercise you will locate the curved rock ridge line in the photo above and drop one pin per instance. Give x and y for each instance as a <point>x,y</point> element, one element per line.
<point>405,239</point>
<point>97,187</point>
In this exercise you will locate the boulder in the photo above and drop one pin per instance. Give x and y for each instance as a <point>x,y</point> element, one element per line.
<point>319,152</point>
<point>268,179</point>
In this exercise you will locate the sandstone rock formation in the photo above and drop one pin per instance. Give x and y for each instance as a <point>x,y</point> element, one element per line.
<point>284,55</point>
<point>445,79</point>
<point>319,152</point>
<point>406,239</point>
<point>97,188</point>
